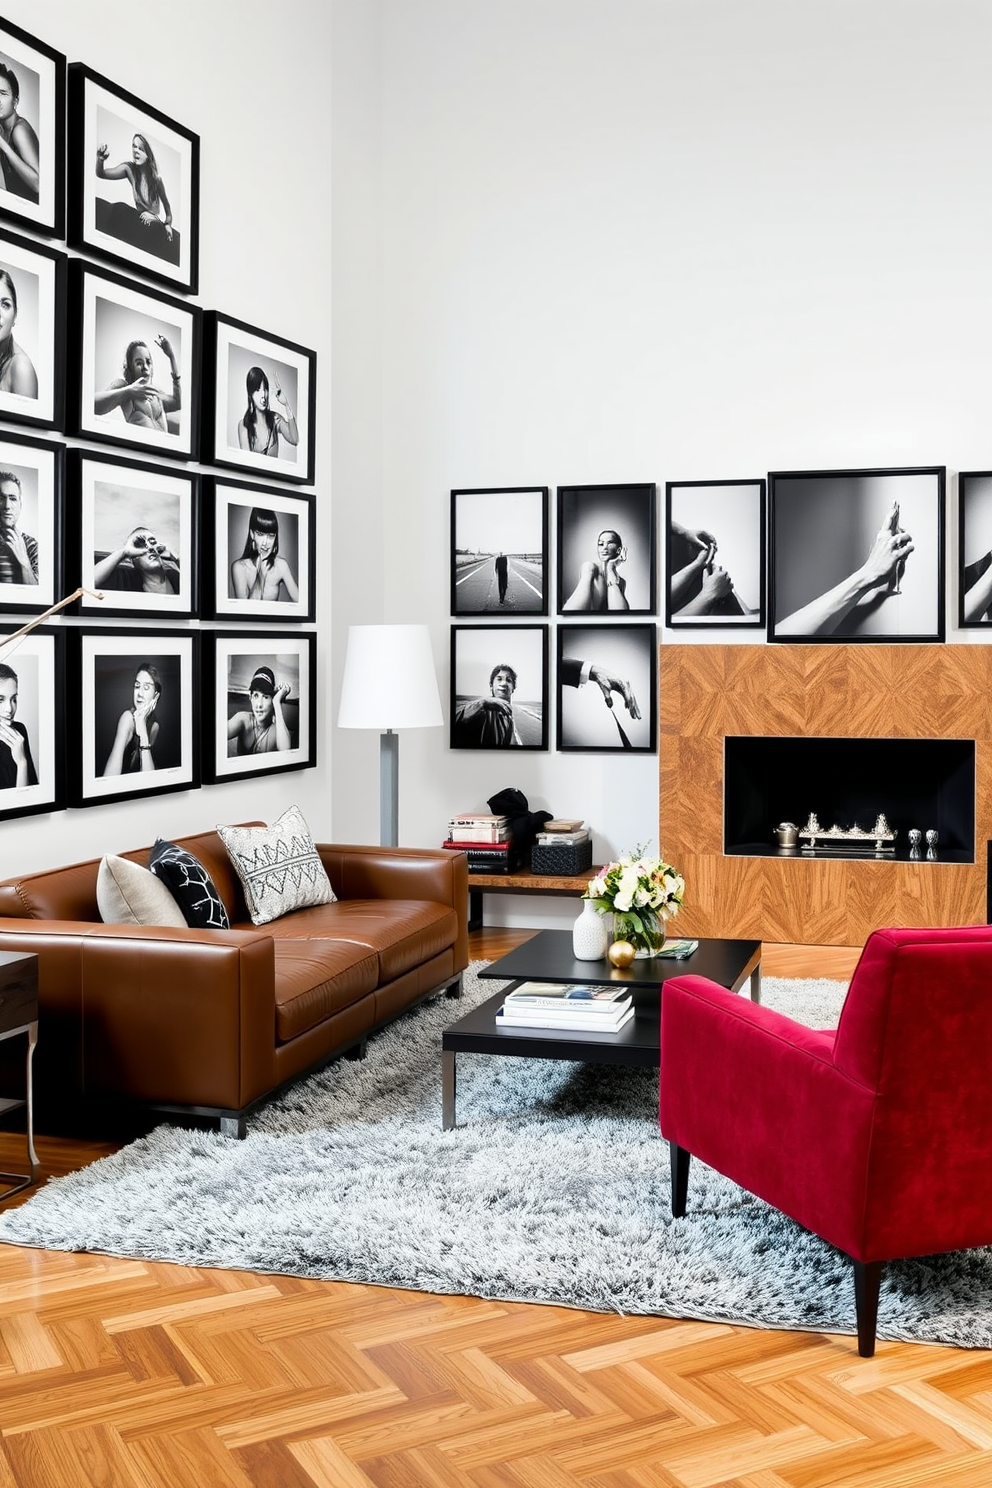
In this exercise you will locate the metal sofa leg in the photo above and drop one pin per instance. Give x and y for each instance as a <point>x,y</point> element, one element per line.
<point>233,1126</point>
<point>454,989</point>
<point>867,1281</point>
<point>357,1051</point>
<point>680,1160</point>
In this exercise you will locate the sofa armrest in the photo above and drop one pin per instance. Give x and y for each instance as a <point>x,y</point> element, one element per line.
<point>361,872</point>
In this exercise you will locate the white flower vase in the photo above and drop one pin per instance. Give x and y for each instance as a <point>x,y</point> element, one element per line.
<point>590,937</point>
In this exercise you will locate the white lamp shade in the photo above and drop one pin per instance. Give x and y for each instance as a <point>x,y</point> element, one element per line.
<point>389,679</point>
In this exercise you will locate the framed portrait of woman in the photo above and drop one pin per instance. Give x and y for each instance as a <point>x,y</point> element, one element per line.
<point>259,401</point>
<point>32,326</point>
<point>132,535</point>
<point>32,132</point>
<point>32,723</point>
<point>134,364</point>
<point>715,553</point>
<point>607,692</point>
<point>606,550</point>
<point>259,704</point>
<point>134,182</point>
<point>258,552</point>
<point>499,687</point>
<point>135,695</point>
<point>31,523</point>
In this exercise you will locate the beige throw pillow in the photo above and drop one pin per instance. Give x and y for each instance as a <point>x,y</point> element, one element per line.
<point>127,894</point>
<point>279,866</point>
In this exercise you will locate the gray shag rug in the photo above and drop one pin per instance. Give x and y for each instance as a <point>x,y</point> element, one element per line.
<point>553,1188</point>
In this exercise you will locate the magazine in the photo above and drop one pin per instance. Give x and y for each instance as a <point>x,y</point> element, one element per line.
<point>536,1017</point>
<point>678,950</point>
<point>577,996</point>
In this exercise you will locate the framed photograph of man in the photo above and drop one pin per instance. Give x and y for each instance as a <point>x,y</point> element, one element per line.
<point>259,401</point>
<point>974,549</point>
<point>607,693</point>
<point>134,182</point>
<point>32,132</point>
<point>132,536</point>
<point>31,523</point>
<point>32,332</point>
<point>32,723</point>
<point>499,687</point>
<point>715,566</point>
<point>260,704</point>
<point>857,555</point>
<point>134,364</point>
<point>136,699</point>
<point>499,551</point>
<point>606,549</point>
<point>258,552</point>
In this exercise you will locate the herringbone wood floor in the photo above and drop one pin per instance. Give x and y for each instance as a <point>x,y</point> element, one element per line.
<point>120,1373</point>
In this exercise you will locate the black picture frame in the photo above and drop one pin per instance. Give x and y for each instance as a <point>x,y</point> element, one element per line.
<point>233,355</point>
<point>37,466</point>
<point>584,514</point>
<point>715,554</point>
<point>499,551</point>
<point>228,509</point>
<point>40,78</point>
<point>105,218</point>
<point>974,569</point>
<point>104,665</point>
<point>599,668</point>
<point>477,651</point>
<point>108,315</point>
<point>823,584</point>
<point>33,283</point>
<point>37,661</point>
<point>231,661</point>
<point>110,499</point>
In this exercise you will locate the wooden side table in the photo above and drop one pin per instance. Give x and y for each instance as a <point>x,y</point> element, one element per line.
<point>19,1014</point>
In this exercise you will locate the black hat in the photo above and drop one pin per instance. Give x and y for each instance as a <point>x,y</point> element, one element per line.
<point>264,680</point>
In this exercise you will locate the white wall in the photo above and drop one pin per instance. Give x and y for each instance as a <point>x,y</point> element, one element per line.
<point>634,241</point>
<point>253,82</point>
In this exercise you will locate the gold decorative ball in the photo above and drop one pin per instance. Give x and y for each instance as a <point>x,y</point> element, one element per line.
<point>621,953</point>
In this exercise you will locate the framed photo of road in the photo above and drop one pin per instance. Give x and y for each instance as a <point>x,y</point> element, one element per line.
<point>499,551</point>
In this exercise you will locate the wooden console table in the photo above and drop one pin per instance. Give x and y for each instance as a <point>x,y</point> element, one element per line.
<point>522,882</point>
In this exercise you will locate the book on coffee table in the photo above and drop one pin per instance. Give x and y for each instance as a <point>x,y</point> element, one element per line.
<point>535,1017</point>
<point>569,996</point>
<point>678,950</point>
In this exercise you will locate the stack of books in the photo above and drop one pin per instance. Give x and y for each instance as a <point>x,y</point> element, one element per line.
<point>566,1005</point>
<point>485,839</point>
<point>562,833</point>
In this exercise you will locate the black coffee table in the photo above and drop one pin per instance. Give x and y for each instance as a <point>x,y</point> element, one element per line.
<point>547,957</point>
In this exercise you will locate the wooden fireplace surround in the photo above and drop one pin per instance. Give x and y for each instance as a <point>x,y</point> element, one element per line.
<point>839,691</point>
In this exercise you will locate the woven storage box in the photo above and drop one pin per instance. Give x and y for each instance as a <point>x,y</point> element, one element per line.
<point>563,861</point>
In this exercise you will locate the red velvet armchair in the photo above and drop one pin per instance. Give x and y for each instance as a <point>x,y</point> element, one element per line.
<point>874,1135</point>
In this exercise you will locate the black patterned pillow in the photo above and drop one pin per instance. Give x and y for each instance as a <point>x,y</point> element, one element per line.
<point>279,866</point>
<point>190,885</point>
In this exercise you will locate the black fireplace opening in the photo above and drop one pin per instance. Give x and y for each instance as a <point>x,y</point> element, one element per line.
<point>928,784</point>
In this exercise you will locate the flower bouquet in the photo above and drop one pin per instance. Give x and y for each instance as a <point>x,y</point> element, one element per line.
<point>641,893</point>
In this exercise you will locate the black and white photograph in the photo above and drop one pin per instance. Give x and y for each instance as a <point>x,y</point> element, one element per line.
<point>715,554</point>
<point>974,549</point>
<point>135,695</point>
<point>133,536</point>
<point>32,475</point>
<point>607,696</point>
<point>259,546</point>
<point>259,401</point>
<point>260,704</point>
<point>32,132</point>
<point>499,687</point>
<point>134,181</point>
<point>32,723</point>
<point>857,555</point>
<point>32,332</point>
<point>499,551</point>
<point>134,364</point>
<point>606,549</point>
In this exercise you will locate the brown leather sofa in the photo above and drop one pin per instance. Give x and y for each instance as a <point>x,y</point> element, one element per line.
<point>207,1022</point>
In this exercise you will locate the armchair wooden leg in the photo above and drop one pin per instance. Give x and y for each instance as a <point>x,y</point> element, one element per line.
<point>680,1160</point>
<point>867,1280</point>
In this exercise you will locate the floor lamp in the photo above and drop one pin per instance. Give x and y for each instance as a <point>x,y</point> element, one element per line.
<point>389,683</point>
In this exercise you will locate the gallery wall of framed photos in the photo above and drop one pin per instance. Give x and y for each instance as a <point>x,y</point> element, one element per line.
<point>118,395</point>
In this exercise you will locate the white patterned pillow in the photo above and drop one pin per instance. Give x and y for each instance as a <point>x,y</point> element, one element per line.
<point>279,866</point>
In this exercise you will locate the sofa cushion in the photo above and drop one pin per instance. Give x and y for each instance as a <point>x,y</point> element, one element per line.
<point>316,978</point>
<point>403,933</point>
<point>279,866</point>
<point>190,885</point>
<point>128,894</point>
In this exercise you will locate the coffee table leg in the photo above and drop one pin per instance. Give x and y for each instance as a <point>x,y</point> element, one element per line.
<point>756,983</point>
<point>447,1089</point>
